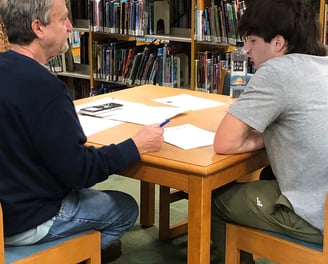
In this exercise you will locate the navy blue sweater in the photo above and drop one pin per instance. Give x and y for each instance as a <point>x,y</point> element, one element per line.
<point>42,151</point>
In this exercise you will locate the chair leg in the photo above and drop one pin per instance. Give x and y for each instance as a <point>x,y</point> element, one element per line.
<point>166,230</point>
<point>232,253</point>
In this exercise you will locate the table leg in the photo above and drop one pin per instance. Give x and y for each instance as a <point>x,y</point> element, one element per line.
<point>147,204</point>
<point>199,220</point>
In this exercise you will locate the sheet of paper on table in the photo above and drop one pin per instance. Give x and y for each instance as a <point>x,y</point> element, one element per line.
<point>189,102</point>
<point>188,136</point>
<point>146,115</point>
<point>92,125</point>
<point>135,112</point>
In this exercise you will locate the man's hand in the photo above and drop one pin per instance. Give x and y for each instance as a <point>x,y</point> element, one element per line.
<point>149,138</point>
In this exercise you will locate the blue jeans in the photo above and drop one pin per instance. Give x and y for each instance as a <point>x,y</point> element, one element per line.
<point>110,212</point>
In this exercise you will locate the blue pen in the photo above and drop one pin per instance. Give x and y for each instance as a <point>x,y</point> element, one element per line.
<point>164,122</point>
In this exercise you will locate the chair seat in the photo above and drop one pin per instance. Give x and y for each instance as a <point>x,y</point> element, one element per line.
<point>298,241</point>
<point>14,253</point>
<point>273,246</point>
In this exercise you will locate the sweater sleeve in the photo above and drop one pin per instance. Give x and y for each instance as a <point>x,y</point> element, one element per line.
<point>60,142</point>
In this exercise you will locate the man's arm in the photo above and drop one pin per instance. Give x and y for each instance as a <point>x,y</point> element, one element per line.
<point>234,136</point>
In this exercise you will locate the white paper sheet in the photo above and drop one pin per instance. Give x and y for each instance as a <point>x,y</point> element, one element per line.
<point>189,102</point>
<point>146,115</point>
<point>188,136</point>
<point>92,125</point>
<point>137,113</point>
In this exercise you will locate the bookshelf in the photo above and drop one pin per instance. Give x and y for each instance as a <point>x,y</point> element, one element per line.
<point>73,66</point>
<point>195,48</point>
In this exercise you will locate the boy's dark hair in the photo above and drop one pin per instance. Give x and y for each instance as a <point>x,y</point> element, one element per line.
<point>295,20</point>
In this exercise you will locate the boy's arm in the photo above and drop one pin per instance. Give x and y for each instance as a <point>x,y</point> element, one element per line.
<point>234,136</point>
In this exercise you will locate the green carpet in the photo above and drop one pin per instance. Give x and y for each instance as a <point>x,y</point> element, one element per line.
<point>141,245</point>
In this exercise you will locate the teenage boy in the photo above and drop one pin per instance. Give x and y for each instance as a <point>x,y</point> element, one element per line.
<point>284,109</point>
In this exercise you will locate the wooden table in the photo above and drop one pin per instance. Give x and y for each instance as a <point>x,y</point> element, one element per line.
<point>197,171</point>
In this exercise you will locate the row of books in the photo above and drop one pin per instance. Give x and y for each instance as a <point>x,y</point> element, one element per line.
<point>208,66</point>
<point>62,62</point>
<point>135,17</point>
<point>67,61</point>
<point>218,22</point>
<point>131,64</point>
<point>120,17</point>
<point>208,69</point>
<point>57,64</point>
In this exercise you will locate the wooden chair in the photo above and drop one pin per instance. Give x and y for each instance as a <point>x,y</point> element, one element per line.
<point>166,197</point>
<point>276,247</point>
<point>73,249</point>
<point>4,44</point>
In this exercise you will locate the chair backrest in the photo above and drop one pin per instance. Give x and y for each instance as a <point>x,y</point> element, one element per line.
<point>4,43</point>
<point>2,243</point>
<point>325,231</point>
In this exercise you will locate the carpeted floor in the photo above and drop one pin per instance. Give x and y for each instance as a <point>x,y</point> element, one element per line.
<point>141,245</point>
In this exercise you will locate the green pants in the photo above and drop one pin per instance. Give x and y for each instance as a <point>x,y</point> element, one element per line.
<point>257,204</point>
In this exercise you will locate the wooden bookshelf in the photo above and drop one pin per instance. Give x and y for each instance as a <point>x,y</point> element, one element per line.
<point>184,34</point>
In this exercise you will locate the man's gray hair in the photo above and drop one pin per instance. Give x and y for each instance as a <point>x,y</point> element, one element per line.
<point>18,15</point>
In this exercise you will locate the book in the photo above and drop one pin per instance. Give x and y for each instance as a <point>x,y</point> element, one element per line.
<point>134,69</point>
<point>125,17</point>
<point>153,73</point>
<point>143,60</point>
<point>132,18</point>
<point>127,64</point>
<point>159,68</point>
<point>91,14</point>
<point>112,16</point>
<point>84,51</point>
<point>147,69</point>
<point>98,15</point>
<point>184,69</point>
<point>119,53</point>
<point>232,21</point>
